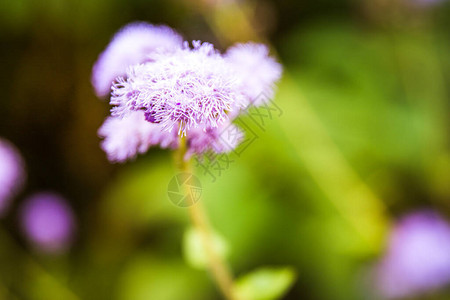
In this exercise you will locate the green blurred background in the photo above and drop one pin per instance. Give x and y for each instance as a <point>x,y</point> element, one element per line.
<point>363,138</point>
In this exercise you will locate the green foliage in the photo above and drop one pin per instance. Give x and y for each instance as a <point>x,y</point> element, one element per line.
<point>148,277</point>
<point>265,284</point>
<point>195,252</point>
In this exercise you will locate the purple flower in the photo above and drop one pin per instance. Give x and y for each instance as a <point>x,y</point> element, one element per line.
<point>256,70</point>
<point>131,45</point>
<point>125,137</point>
<point>185,89</point>
<point>12,173</point>
<point>417,258</point>
<point>180,91</point>
<point>48,222</point>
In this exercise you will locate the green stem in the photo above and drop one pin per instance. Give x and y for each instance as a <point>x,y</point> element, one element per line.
<point>216,265</point>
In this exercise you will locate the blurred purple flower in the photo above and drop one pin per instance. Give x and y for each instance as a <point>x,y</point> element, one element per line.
<point>125,137</point>
<point>417,258</point>
<point>131,45</point>
<point>12,173</point>
<point>48,222</point>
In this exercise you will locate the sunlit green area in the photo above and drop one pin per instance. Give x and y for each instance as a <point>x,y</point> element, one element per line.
<point>360,135</point>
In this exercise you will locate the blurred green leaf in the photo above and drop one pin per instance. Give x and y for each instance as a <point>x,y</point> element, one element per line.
<point>149,277</point>
<point>194,251</point>
<point>138,197</point>
<point>265,283</point>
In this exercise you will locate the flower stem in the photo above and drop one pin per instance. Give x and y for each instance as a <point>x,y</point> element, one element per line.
<point>216,265</point>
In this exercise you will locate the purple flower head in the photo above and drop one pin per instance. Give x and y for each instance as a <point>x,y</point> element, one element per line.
<point>125,137</point>
<point>12,173</point>
<point>417,258</point>
<point>131,45</point>
<point>222,139</point>
<point>181,90</point>
<point>176,90</point>
<point>256,70</point>
<point>48,222</point>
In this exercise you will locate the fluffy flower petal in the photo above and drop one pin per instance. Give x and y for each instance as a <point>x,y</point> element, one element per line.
<point>131,45</point>
<point>185,89</point>
<point>125,137</point>
<point>222,139</point>
<point>257,71</point>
